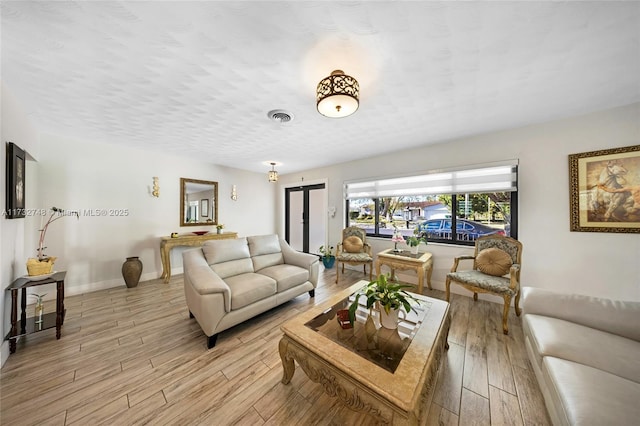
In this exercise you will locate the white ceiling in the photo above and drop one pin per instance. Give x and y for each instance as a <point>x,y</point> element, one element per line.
<point>198,78</point>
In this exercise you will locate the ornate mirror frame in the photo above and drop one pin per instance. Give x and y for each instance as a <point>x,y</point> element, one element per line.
<point>192,194</point>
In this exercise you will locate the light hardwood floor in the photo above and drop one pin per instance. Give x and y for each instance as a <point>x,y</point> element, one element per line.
<point>133,356</point>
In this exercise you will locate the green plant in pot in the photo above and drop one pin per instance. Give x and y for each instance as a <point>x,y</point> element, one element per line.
<point>390,296</point>
<point>328,259</point>
<point>415,240</point>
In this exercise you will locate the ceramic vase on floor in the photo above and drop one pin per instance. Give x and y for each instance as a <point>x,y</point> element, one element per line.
<point>131,271</point>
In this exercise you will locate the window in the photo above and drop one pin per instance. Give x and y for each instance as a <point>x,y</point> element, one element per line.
<point>484,201</point>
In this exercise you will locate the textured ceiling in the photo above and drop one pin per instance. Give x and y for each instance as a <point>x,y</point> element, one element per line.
<point>198,78</point>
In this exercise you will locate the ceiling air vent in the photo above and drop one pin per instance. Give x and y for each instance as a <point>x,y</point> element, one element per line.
<point>280,116</point>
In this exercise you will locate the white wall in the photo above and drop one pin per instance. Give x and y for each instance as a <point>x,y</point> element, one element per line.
<point>90,177</point>
<point>599,264</point>
<point>95,177</point>
<point>16,128</point>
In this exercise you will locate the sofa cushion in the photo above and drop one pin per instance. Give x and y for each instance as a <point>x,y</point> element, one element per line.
<point>614,316</point>
<point>249,288</point>
<point>218,251</point>
<point>265,251</point>
<point>589,396</point>
<point>233,267</point>
<point>267,260</point>
<point>574,342</point>
<point>287,276</point>
<point>493,261</point>
<point>264,244</point>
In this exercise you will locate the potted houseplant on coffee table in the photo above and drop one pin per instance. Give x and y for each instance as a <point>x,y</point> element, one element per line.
<point>389,296</point>
<point>328,259</point>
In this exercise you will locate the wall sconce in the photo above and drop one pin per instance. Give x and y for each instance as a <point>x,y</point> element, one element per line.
<point>234,193</point>
<point>273,174</point>
<point>156,187</point>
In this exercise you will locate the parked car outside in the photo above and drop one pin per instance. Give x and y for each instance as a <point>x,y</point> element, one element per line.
<point>466,230</point>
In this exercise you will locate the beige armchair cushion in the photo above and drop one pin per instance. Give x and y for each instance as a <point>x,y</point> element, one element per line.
<point>493,261</point>
<point>352,244</point>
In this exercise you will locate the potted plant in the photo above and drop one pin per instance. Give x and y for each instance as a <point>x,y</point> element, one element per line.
<point>390,298</point>
<point>328,259</point>
<point>415,240</point>
<point>219,228</point>
<point>44,264</point>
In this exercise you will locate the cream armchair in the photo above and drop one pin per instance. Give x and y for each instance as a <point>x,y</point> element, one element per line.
<point>353,250</point>
<point>496,270</point>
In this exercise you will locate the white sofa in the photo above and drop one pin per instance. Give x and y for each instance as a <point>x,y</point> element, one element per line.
<point>585,352</point>
<point>227,282</point>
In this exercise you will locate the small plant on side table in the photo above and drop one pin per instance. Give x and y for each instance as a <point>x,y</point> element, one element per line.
<point>416,239</point>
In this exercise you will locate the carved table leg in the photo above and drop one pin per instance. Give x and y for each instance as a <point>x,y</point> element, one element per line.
<point>288,365</point>
<point>429,272</point>
<point>420,272</point>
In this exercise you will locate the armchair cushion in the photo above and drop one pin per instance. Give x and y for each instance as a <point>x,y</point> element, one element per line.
<point>497,285</point>
<point>494,261</point>
<point>354,257</point>
<point>353,244</point>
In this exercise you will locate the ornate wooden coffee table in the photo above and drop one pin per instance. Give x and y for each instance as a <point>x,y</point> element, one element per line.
<point>388,374</point>
<point>422,263</point>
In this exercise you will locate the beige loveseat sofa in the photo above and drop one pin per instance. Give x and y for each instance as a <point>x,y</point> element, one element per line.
<point>229,281</point>
<point>585,352</point>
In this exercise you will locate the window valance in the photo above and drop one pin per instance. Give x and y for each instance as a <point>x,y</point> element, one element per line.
<point>498,177</point>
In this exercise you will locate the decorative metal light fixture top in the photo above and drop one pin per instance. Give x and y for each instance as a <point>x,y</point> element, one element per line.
<point>338,95</point>
<point>273,174</point>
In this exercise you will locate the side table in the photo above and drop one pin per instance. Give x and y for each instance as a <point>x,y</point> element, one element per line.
<point>422,263</point>
<point>28,325</point>
<point>188,240</point>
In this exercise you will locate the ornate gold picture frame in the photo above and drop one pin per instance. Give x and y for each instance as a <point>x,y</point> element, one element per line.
<point>604,189</point>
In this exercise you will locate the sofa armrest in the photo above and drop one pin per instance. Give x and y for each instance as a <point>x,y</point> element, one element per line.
<point>307,261</point>
<point>204,280</point>
<point>612,316</point>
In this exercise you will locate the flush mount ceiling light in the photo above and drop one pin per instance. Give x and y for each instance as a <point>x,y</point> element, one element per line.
<point>337,95</point>
<point>273,174</point>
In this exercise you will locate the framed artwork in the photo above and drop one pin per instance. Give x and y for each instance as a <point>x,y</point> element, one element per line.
<point>604,190</point>
<point>204,207</point>
<point>15,182</point>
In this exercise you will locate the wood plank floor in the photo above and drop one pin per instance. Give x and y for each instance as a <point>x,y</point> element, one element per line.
<point>133,356</point>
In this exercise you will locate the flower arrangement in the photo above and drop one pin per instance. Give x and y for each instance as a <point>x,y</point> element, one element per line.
<point>56,214</point>
<point>397,238</point>
<point>220,226</point>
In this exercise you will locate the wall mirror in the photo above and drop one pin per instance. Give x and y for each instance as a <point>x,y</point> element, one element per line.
<point>198,202</point>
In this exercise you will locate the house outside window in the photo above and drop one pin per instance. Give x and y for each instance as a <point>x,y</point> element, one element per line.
<point>427,202</point>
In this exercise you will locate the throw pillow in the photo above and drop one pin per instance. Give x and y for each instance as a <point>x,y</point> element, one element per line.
<point>352,244</point>
<point>493,261</point>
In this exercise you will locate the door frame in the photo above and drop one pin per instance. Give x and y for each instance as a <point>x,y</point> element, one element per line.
<point>283,208</point>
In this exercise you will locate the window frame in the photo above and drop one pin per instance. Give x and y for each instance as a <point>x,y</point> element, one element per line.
<point>513,205</point>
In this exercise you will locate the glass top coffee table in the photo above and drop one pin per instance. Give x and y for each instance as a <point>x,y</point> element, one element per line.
<point>388,374</point>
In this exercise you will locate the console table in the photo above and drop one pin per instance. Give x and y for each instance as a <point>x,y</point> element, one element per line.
<point>422,263</point>
<point>167,243</point>
<point>29,325</point>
